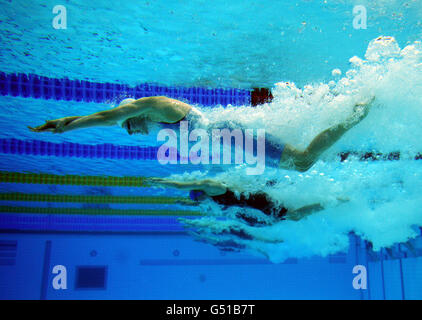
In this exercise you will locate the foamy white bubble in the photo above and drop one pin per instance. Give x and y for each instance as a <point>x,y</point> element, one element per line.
<point>336,72</point>
<point>383,197</point>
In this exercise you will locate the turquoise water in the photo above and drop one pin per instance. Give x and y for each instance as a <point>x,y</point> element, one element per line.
<point>200,43</point>
<point>243,44</point>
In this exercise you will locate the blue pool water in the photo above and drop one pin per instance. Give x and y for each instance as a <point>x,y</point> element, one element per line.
<point>317,66</point>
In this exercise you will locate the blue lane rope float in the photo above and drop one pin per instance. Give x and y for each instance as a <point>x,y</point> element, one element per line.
<point>39,87</point>
<point>110,151</point>
<point>88,223</point>
<point>67,149</point>
<point>99,212</point>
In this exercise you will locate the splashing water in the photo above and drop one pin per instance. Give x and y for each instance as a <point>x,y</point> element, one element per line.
<point>384,197</point>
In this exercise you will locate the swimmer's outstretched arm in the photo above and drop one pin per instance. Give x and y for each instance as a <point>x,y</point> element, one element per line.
<point>52,125</point>
<point>208,186</point>
<point>103,118</point>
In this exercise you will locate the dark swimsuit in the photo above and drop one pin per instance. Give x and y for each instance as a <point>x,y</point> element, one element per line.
<point>259,201</point>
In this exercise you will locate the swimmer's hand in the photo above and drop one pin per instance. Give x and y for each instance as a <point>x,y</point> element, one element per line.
<point>54,126</point>
<point>157,182</point>
<point>163,182</point>
<point>155,179</point>
<point>343,199</point>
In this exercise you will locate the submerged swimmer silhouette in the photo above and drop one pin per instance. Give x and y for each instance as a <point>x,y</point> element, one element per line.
<point>135,115</point>
<point>225,196</point>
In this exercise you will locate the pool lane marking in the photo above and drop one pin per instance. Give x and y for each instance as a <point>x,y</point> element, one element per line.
<point>17,196</point>
<point>97,212</point>
<point>76,180</point>
<point>40,87</point>
<point>124,152</point>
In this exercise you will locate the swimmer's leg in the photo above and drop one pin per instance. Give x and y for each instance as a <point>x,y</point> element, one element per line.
<point>294,159</point>
<point>303,212</point>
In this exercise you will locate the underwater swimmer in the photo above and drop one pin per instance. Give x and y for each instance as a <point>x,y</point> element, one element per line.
<point>225,196</point>
<point>135,116</point>
<point>132,115</point>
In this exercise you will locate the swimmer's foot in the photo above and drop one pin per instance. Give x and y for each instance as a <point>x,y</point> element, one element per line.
<point>360,111</point>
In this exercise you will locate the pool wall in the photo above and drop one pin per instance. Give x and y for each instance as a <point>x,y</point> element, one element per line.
<point>174,266</point>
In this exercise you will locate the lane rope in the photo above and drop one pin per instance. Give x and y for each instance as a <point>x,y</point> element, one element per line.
<point>110,151</point>
<point>75,180</point>
<point>90,211</point>
<point>17,196</point>
<point>40,87</point>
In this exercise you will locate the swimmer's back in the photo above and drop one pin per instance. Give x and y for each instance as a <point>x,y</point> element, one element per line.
<point>164,109</point>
